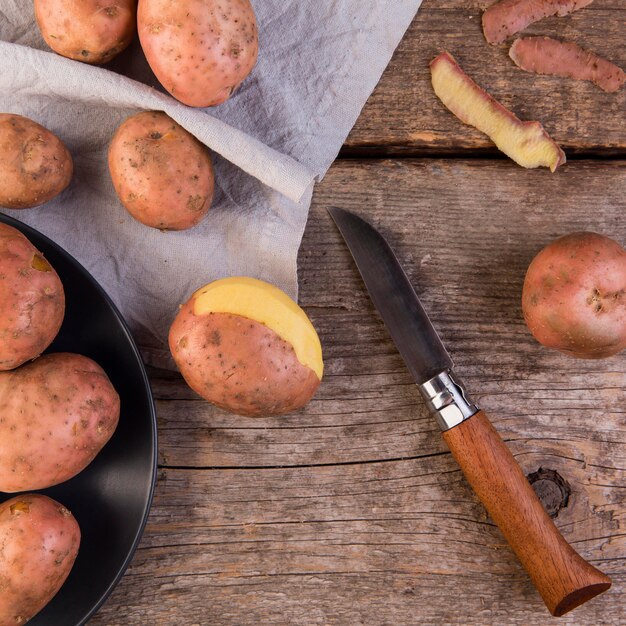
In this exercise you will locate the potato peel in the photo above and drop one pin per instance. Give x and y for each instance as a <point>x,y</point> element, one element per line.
<point>527,143</point>
<point>507,17</point>
<point>543,55</point>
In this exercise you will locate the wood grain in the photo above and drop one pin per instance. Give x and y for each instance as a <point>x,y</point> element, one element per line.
<point>563,579</point>
<point>376,543</point>
<point>465,231</point>
<point>403,116</point>
<point>352,511</point>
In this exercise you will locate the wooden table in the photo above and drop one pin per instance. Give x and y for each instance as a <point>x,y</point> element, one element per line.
<point>352,511</point>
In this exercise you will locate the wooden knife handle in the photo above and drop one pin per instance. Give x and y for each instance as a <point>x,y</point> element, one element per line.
<point>562,577</point>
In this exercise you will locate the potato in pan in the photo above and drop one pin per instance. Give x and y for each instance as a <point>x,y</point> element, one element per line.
<point>39,541</point>
<point>32,300</point>
<point>57,412</point>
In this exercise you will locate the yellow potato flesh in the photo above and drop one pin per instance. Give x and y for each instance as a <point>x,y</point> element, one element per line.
<point>262,302</point>
<point>527,143</point>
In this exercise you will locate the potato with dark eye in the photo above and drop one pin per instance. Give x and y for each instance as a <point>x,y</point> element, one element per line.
<point>32,300</point>
<point>247,347</point>
<point>574,297</point>
<point>162,174</point>
<point>92,31</point>
<point>35,165</point>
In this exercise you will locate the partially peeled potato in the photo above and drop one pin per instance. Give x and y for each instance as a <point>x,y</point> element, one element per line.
<point>247,347</point>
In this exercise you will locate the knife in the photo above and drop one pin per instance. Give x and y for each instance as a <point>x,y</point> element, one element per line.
<point>562,577</point>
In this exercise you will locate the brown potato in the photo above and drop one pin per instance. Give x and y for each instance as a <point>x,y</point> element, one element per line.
<point>39,541</point>
<point>93,31</point>
<point>240,365</point>
<point>240,362</point>
<point>35,165</point>
<point>57,412</point>
<point>32,300</point>
<point>574,296</point>
<point>162,174</point>
<point>200,50</point>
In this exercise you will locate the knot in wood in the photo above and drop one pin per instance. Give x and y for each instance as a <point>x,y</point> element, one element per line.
<point>551,488</point>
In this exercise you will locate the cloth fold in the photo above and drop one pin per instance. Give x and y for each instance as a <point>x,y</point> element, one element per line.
<point>34,72</point>
<point>318,63</point>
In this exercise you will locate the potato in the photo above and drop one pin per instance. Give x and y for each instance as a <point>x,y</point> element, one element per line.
<point>57,414</point>
<point>35,165</point>
<point>162,174</point>
<point>93,31</point>
<point>574,296</point>
<point>200,50</point>
<point>32,300</point>
<point>39,541</point>
<point>245,346</point>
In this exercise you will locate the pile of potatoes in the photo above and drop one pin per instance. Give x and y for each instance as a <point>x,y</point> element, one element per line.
<point>200,50</point>
<point>242,344</point>
<point>57,411</point>
<point>161,173</point>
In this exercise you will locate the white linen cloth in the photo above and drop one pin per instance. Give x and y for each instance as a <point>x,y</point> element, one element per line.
<point>318,63</point>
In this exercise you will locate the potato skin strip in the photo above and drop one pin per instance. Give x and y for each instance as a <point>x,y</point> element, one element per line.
<point>543,55</point>
<point>527,143</point>
<point>507,17</point>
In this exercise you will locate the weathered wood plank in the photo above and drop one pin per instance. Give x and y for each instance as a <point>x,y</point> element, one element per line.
<point>404,116</point>
<point>352,512</point>
<point>350,532</point>
<point>378,543</point>
<point>465,232</point>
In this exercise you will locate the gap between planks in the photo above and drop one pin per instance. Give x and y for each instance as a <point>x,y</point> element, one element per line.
<point>399,152</point>
<point>303,465</point>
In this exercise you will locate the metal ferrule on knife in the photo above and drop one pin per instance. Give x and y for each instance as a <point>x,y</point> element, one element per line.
<point>447,400</point>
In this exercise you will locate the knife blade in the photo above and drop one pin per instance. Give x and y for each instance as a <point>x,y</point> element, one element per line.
<point>408,324</point>
<point>562,577</point>
<point>394,297</point>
